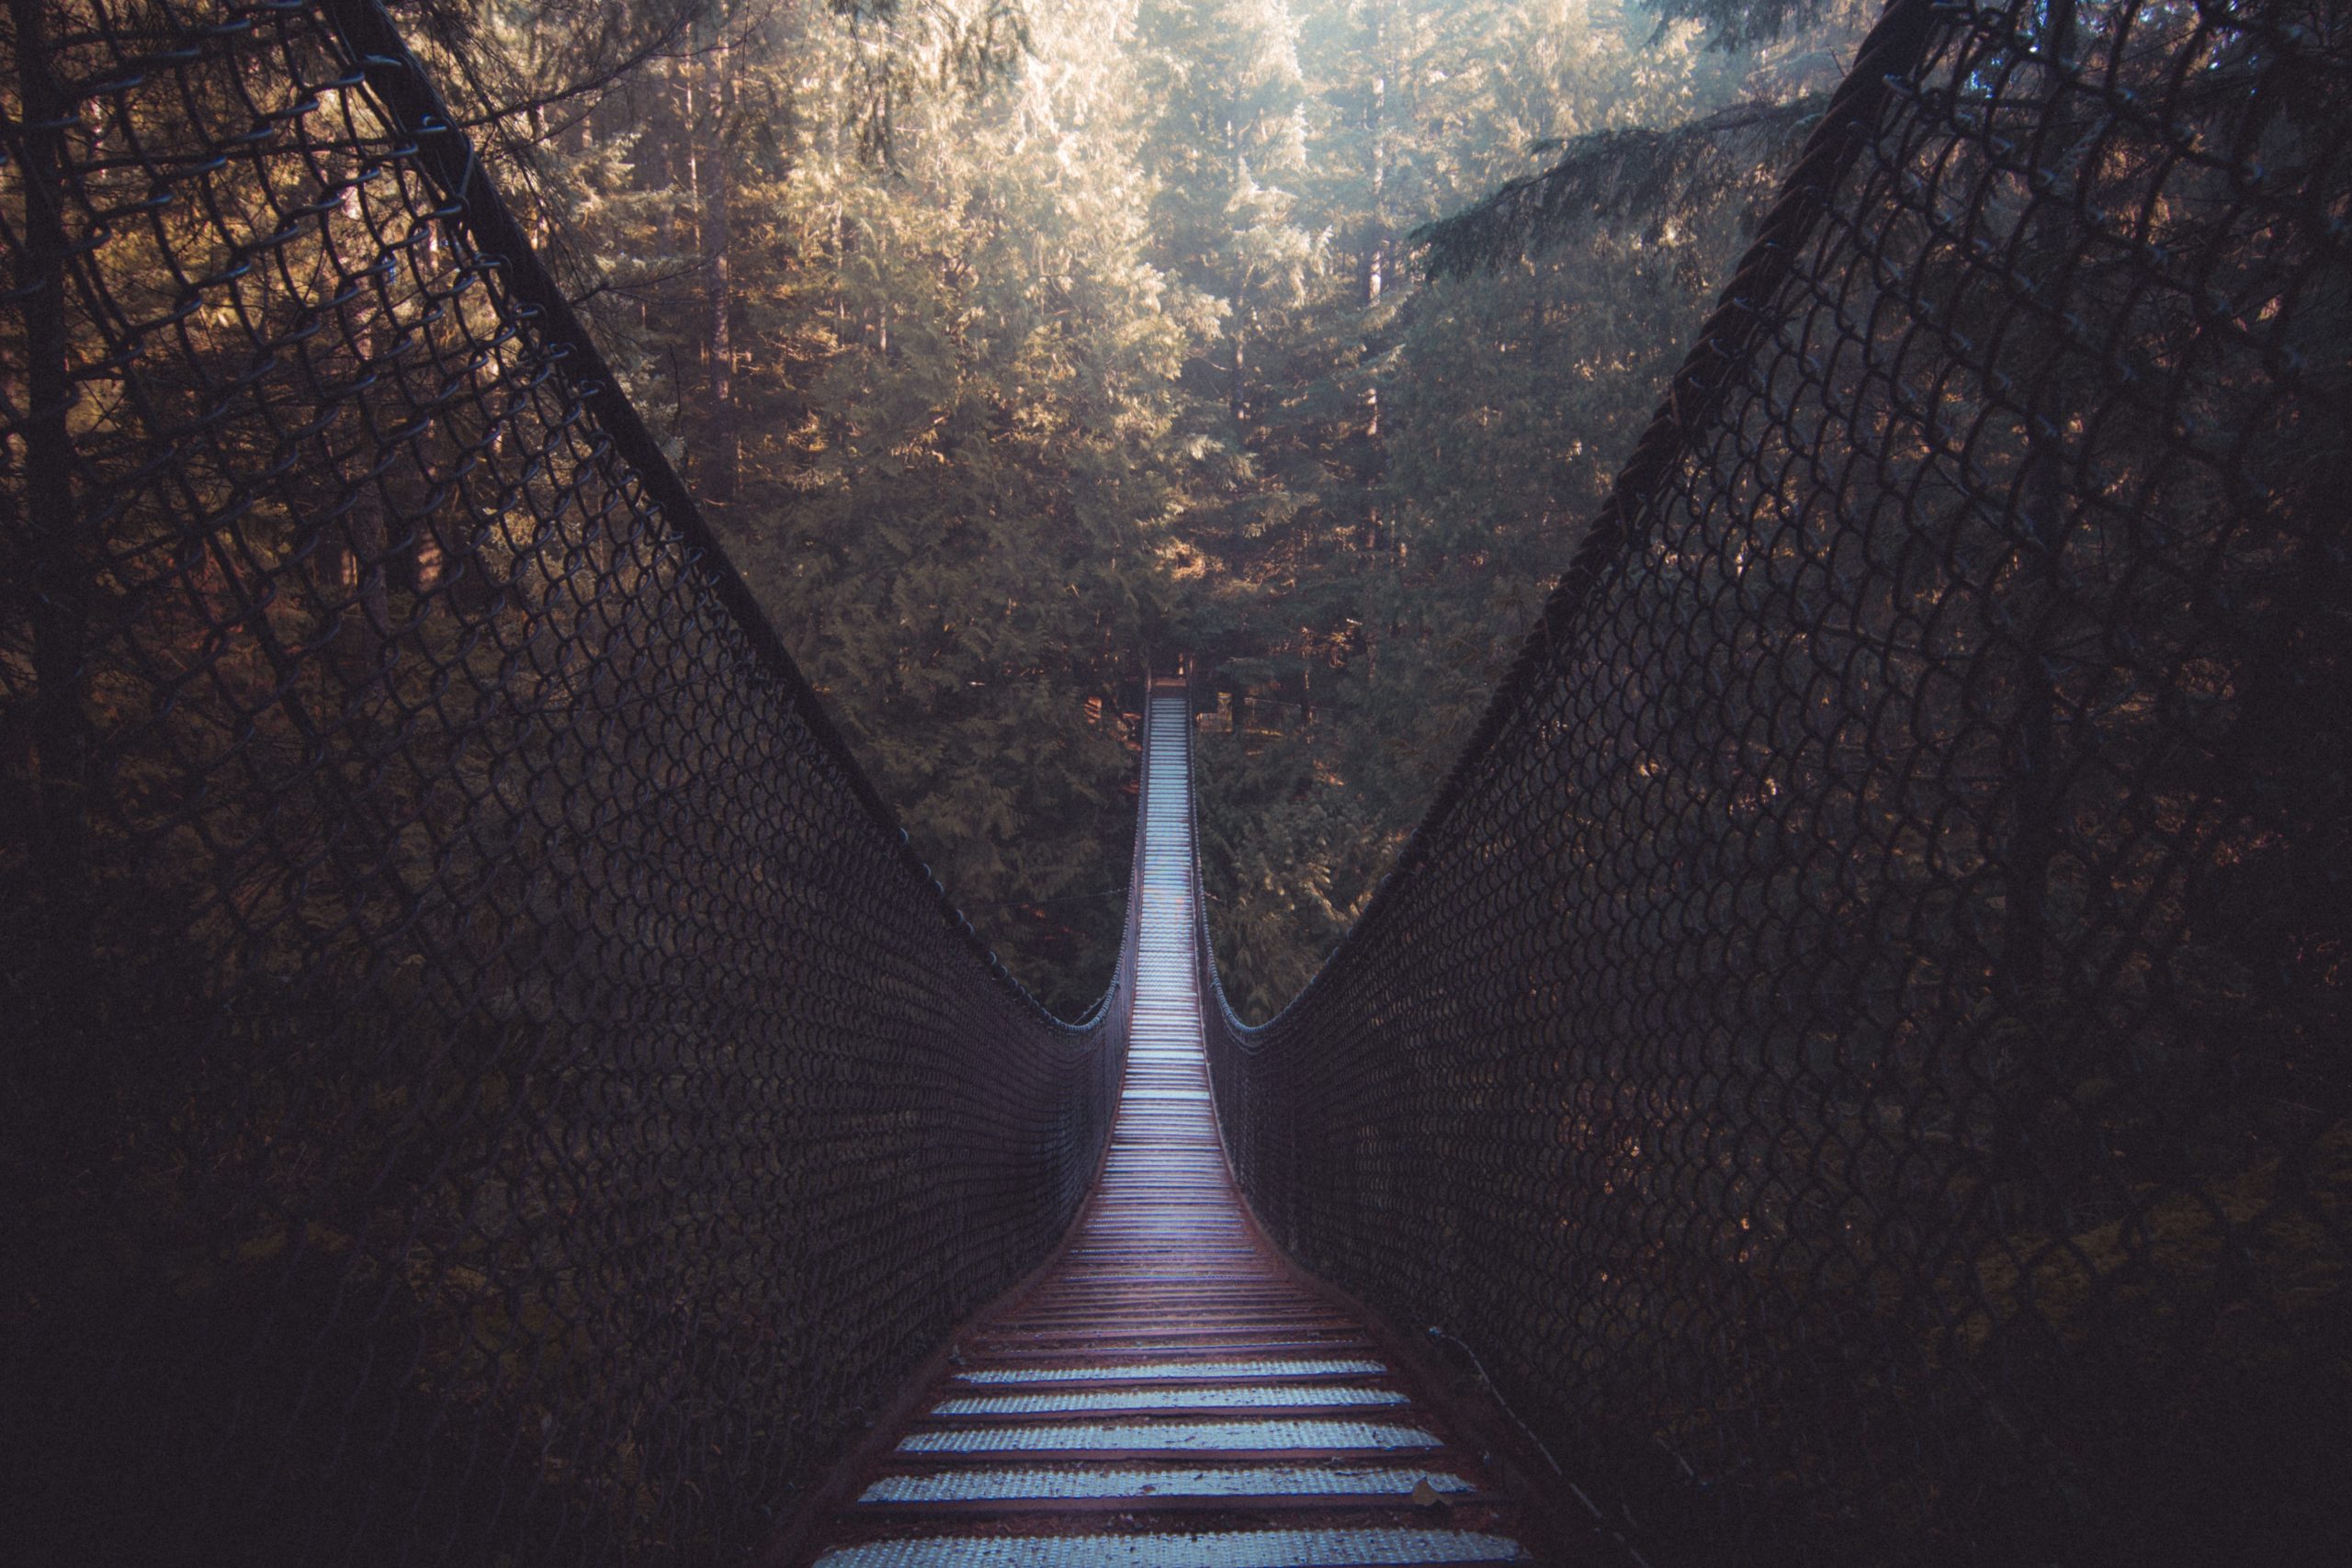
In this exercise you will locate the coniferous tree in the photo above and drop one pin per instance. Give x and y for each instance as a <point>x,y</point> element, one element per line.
<point>1001,342</point>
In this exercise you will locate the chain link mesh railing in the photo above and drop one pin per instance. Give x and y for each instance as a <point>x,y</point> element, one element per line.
<point>490,1082</point>
<point>1857,1052</point>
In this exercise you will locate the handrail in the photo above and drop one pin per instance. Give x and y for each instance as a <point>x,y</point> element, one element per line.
<point>441,147</point>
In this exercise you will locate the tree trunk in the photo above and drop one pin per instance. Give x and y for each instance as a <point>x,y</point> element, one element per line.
<point>364,606</point>
<point>725,448</point>
<point>1236,402</point>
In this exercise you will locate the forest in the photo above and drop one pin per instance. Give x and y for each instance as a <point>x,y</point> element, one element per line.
<point>1010,343</point>
<point>548,548</point>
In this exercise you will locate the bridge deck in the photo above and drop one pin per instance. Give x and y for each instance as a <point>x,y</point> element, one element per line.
<point>1171,1394</point>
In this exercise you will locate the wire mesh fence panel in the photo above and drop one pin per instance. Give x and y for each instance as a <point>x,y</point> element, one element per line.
<point>1857,1052</point>
<point>491,1082</point>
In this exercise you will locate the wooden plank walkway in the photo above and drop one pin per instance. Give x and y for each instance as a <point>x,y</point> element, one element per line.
<point>1171,1394</point>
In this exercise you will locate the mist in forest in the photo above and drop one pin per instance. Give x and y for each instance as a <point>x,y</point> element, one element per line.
<point>1008,340</point>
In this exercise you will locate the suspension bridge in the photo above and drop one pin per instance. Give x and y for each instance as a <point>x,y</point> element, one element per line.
<point>1171,1365</point>
<point>1850,1068</point>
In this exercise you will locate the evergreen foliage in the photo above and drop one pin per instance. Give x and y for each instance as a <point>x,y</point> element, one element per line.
<point>1002,341</point>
